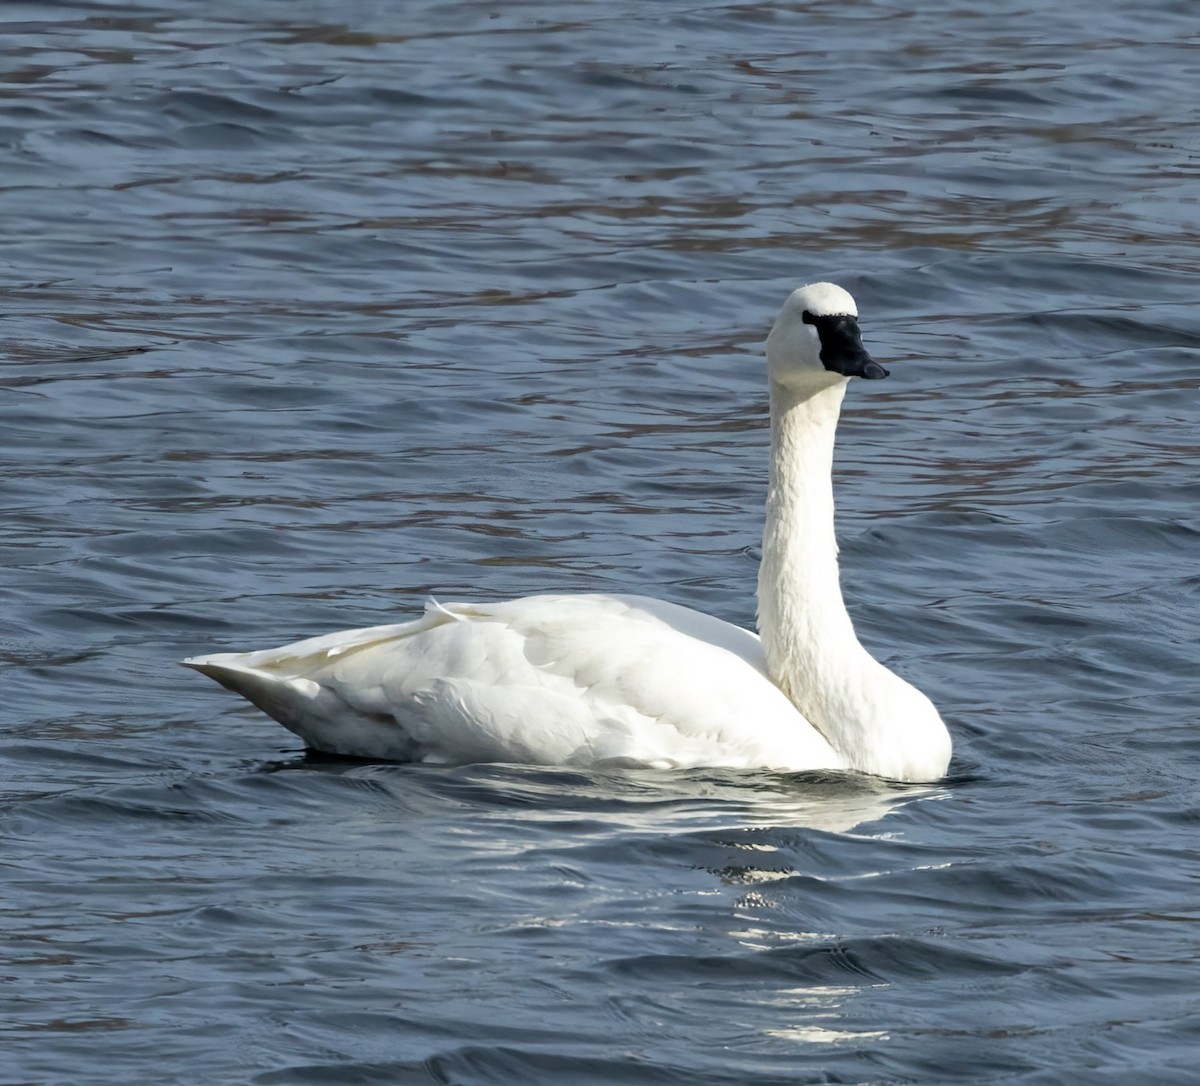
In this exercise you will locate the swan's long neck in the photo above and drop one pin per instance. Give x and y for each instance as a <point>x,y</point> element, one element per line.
<point>807,635</point>
<point>876,720</point>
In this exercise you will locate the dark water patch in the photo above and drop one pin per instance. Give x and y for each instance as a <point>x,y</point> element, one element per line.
<point>871,961</point>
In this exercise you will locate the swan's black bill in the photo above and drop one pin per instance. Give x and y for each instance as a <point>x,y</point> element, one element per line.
<point>842,349</point>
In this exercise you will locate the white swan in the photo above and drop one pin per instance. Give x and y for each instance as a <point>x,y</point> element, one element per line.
<point>626,680</point>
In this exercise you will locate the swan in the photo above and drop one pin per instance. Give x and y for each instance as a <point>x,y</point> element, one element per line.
<point>621,680</point>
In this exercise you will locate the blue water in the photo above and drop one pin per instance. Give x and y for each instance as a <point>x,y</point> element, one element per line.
<point>308,310</point>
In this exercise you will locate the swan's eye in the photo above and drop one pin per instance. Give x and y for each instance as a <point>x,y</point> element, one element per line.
<point>808,318</point>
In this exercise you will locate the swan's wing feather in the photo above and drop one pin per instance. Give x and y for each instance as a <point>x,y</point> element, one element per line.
<point>556,680</point>
<point>580,679</point>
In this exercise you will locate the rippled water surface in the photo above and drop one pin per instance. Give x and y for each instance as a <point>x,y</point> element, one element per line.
<point>310,309</point>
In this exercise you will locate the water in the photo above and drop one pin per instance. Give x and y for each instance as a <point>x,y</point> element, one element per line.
<point>311,309</point>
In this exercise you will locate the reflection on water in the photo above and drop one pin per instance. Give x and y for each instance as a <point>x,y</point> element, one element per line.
<point>309,313</point>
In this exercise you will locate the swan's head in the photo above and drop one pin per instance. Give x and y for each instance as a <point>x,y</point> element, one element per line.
<point>816,336</point>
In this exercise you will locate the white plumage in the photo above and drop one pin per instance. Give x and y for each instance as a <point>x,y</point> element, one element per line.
<point>591,680</point>
<point>552,680</point>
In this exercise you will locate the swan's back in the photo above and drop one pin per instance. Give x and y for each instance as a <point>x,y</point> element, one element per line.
<point>556,680</point>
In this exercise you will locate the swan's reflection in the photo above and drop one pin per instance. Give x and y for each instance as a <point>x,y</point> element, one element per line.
<point>650,800</point>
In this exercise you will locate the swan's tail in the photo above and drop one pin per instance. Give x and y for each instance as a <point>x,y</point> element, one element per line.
<point>288,699</point>
<point>298,685</point>
<point>305,707</point>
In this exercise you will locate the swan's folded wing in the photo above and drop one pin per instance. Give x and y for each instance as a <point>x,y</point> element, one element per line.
<point>575,680</point>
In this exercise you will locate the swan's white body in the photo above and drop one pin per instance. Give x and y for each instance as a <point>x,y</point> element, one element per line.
<point>626,680</point>
<point>552,680</point>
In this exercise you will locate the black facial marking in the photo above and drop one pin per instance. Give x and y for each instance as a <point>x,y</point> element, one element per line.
<point>842,349</point>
